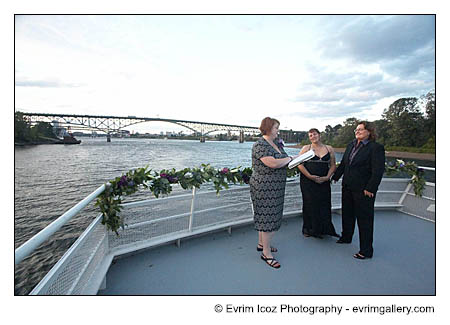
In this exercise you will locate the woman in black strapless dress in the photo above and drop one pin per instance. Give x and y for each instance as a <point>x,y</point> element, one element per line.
<point>316,189</point>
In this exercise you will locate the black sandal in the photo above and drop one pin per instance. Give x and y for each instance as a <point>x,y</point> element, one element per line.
<point>260,247</point>
<point>271,261</point>
<point>360,256</point>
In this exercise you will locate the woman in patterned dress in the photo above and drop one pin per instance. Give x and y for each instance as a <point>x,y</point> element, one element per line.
<point>267,185</point>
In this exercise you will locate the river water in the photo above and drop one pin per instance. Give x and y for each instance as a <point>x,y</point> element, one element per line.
<point>50,179</point>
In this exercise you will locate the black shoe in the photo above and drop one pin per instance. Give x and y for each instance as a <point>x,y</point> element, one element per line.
<point>271,261</point>
<point>260,247</point>
<point>360,256</point>
<point>341,241</point>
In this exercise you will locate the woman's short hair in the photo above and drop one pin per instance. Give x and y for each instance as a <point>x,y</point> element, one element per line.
<point>314,130</point>
<point>369,126</point>
<point>267,125</point>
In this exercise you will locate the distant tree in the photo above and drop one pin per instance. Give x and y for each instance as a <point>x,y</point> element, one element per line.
<point>346,134</point>
<point>43,129</point>
<point>430,111</point>
<point>302,135</point>
<point>402,124</point>
<point>22,132</point>
<point>430,120</point>
<point>382,131</point>
<point>406,123</point>
<point>327,135</point>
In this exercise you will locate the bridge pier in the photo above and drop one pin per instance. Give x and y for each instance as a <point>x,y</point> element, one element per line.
<point>241,136</point>
<point>202,139</point>
<point>108,137</point>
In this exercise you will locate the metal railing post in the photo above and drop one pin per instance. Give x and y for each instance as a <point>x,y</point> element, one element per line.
<point>191,217</point>
<point>405,192</point>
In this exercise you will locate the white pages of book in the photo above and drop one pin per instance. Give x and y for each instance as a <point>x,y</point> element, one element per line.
<point>301,159</point>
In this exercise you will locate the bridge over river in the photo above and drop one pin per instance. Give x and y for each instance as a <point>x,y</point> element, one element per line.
<point>111,124</point>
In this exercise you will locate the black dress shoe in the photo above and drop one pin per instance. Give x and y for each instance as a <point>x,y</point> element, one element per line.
<point>360,256</point>
<point>341,241</point>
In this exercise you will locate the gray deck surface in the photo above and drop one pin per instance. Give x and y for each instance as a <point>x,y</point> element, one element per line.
<point>220,264</point>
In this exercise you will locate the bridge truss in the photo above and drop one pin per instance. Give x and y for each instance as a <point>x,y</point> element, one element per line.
<point>110,124</point>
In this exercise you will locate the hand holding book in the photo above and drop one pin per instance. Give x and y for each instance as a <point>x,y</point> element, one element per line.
<point>300,159</point>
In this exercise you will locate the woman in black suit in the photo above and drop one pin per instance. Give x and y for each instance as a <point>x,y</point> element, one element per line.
<point>362,166</point>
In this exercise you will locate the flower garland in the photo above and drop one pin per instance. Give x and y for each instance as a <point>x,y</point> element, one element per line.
<point>413,171</point>
<point>161,183</point>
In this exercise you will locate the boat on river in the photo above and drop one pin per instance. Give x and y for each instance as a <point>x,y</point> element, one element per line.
<point>69,139</point>
<point>200,243</point>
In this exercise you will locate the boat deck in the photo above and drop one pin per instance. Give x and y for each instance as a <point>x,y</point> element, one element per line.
<point>223,264</point>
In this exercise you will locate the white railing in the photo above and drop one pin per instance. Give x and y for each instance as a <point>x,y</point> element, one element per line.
<point>28,247</point>
<point>428,168</point>
<point>152,222</point>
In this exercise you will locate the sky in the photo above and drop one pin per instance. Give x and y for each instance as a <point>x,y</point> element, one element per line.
<point>305,70</point>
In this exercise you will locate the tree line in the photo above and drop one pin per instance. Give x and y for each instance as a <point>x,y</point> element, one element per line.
<point>25,133</point>
<point>403,126</point>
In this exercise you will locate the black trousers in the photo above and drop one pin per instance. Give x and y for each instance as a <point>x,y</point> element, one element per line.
<point>358,207</point>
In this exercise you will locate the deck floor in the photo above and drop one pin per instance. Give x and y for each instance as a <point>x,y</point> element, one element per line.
<point>223,264</point>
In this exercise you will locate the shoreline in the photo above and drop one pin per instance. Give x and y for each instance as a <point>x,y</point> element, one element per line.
<point>33,143</point>
<point>393,154</point>
<point>36,143</point>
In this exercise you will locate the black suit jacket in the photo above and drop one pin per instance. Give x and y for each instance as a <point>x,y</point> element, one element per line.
<point>365,171</point>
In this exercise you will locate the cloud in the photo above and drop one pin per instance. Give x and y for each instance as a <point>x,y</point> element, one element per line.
<point>333,111</point>
<point>46,84</point>
<point>373,39</point>
<point>420,64</point>
<point>403,45</point>
<point>340,80</point>
<point>330,86</point>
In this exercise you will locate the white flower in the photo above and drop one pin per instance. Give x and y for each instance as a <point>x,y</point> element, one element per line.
<point>188,175</point>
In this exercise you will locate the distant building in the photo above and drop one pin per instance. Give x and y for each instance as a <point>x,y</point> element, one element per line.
<point>123,133</point>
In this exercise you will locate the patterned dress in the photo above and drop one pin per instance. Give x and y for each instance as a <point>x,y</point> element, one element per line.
<point>267,187</point>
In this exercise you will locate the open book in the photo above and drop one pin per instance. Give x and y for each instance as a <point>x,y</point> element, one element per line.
<point>301,159</point>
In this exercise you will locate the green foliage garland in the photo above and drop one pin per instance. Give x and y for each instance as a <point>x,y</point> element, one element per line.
<point>161,183</point>
<point>413,171</point>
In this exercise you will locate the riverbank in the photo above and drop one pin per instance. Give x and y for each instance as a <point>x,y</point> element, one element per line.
<point>392,154</point>
<point>34,143</point>
<point>46,140</point>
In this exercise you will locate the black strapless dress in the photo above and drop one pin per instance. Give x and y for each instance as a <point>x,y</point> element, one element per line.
<point>317,199</point>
